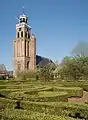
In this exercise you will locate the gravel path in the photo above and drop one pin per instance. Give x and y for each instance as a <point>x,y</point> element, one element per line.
<point>79,100</point>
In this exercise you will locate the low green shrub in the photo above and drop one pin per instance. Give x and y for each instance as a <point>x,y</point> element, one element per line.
<point>9,114</point>
<point>56,108</point>
<point>8,103</point>
<point>3,86</point>
<point>51,108</point>
<point>44,96</point>
<point>17,95</point>
<point>47,96</point>
<point>3,82</point>
<point>45,88</point>
<point>72,91</point>
<point>6,92</point>
<point>43,99</point>
<point>32,90</point>
<point>24,75</point>
<point>85,87</point>
<point>21,86</point>
<point>26,92</point>
<point>82,84</point>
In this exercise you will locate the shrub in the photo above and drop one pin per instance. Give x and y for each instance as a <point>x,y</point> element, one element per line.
<point>45,73</point>
<point>47,96</point>
<point>3,86</point>
<point>6,92</point>
<point>85,87</point>
<point>74,68</point>
<point>72,91</point>
<point>82,84</point>
<point>26,74</point>
<point>51,108</point>
<point>57,108</point>
<point>16,95</point>
<point>29,115</point>
<point>23,90</point>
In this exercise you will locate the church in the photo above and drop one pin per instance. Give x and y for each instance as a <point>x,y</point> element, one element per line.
<point>25,48</point>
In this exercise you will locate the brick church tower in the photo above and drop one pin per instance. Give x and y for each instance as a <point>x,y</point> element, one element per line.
<point>24,46</point>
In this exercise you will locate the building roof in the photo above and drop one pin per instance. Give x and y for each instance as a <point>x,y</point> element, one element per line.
<point>42,61</point>
<point>10,73</point>
<point>2,67</point>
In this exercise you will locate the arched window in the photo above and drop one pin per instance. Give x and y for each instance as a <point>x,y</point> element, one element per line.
<point>19,29</point>
<point>18,34</point>
<point>25,47</point>
<point>28,48</point>
<point>20,20</point>
<point>26,34</point>
<point>27,29</point>
<point>21,33</point>
<point>28,65</point>
<point>26,20</point>
<point>23,19</point>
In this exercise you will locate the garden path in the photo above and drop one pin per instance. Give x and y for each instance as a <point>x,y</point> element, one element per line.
<point>79,100</point>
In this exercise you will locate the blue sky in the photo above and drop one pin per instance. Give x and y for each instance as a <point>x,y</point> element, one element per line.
<point>58,25</point>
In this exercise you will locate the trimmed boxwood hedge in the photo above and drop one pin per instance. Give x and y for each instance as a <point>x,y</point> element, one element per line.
<point>6,92</point>
<point>53,96</point>
<point>32,90</point>
<point>85,87</point>
<point>82,84</point>
<point>17,93</point>
<point>9,114</point>
<point>44,96</point>
<point>47,96</point>
<point>23,86</point>
<point>72,91</point>
<point>3,86</point>
<point>51,108</point>
<point>57,108</point>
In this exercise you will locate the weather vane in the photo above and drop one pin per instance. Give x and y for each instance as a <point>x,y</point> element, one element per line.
<point>23,9</point>
<point>22,13</point>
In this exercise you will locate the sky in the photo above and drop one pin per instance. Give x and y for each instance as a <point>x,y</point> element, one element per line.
<point>57,24</point>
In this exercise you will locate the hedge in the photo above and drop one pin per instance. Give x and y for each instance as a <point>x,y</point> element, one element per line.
<point>44,96</point>
<point>9,114</point>
<point>72,91</point>
<point>47,96</point>
<point>3,86</point>
<point>57,108</point>
<point>22,85</point>
<point>6,92</point>
<point>82,84</point>
<point>29,91</point>
<point>3,82</point>
<point>52,108</point>
<point>45,88</point>
<point>53,96</point>
<point>85,87</point>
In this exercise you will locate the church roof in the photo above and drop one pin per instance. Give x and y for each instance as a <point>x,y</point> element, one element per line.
<point>42,61</point>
